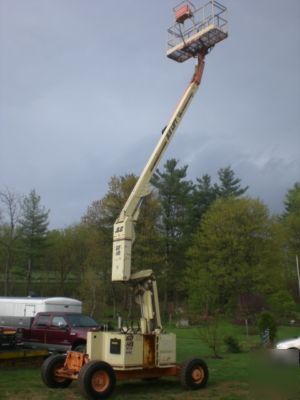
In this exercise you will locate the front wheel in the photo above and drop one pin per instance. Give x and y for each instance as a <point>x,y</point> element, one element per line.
<point>194,374</point>
<point>49,372</point>
<point>97,380</point>
<point>81,348</point>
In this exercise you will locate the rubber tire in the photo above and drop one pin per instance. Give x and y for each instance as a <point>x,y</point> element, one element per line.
<point>47,372</point>
<point>81,348</point>
<point>186,371</point>
<point>85,380</point>
<point>295,348</point>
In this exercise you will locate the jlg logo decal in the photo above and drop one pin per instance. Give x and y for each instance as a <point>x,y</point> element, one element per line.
<point>118,250</point>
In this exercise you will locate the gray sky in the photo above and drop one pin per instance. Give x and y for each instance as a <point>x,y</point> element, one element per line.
<point>85,90</point>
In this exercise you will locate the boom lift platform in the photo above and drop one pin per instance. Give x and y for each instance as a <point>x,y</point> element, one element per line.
<point>146,351</point>
<point>196,29</point>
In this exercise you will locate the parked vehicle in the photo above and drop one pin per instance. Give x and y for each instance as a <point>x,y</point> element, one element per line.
<point>289,344</point>
<point>10,337</point>
<point>55,323</point>
<point>59,331</point>
<point>292,353</point>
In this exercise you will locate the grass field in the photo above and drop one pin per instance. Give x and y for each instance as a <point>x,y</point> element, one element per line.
<point>241,376</point>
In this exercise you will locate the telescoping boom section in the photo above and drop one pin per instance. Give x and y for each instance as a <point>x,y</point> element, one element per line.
<point>123,236</point>
<point>195,32</point>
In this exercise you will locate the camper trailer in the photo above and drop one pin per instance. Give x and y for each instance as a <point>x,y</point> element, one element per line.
<point>19,311</point>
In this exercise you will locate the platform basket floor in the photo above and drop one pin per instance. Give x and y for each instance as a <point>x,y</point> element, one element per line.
<point>190,47</point>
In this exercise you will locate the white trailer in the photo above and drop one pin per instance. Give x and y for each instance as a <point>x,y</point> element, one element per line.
<point>18,311</point>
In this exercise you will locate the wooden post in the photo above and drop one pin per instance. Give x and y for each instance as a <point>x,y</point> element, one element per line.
<point>247,327</point>
<point>298,274</point>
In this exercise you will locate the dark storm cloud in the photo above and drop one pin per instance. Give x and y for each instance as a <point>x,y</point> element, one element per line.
<point>86,90</point>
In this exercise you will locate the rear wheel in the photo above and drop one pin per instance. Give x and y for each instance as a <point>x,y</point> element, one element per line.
<point>49,372</point>
<point>80,348</point>
<point>97,380</point>
<point>193,374</point>
<point>296,352</point>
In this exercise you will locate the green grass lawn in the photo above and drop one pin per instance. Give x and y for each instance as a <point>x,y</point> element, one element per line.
<point>241,376</point>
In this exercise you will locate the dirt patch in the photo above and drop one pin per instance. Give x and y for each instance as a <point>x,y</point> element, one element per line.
<point>233,387</point>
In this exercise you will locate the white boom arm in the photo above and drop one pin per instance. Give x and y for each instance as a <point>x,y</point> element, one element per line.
<point>123,235</point>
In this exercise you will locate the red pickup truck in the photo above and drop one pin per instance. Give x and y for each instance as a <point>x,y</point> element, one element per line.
<point>59,331</point>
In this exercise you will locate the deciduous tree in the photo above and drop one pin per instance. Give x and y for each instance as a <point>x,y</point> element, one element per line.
<point>102,215</point>
<point>231,254</point>
<point>10,203</point>
<point>290,223</point>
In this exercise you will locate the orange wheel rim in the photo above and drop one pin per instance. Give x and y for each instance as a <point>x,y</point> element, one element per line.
<point>56,373</point>
<point>100,381</point>
<point>198,375</point>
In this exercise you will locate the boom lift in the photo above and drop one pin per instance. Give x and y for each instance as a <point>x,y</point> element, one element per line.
<point>146,351</point>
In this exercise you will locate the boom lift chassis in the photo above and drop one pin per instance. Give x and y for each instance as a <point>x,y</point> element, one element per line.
<point>145,352</point>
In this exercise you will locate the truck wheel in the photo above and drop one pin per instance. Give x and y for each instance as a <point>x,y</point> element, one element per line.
<point>193,374</point>
<point>49,368</point>
<point>97,380</point>
<point>296,350</point>
<point>81,348</point>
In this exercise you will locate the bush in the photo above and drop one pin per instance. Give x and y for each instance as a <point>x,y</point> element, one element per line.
<point>211,335</point>
<point>232,344</point>
<point>267,321</point>
<point>282,304</point>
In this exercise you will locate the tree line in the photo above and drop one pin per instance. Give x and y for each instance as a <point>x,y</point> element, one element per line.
<point>211,246</point>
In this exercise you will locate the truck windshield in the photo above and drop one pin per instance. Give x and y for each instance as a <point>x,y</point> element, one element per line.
<point>84,321</point>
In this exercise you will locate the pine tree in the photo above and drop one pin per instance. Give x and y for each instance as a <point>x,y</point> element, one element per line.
<point>174,192</point>
<point>230,186</point>
<point>292,199</point>
<point>204,194</point>
<point>34,224</point>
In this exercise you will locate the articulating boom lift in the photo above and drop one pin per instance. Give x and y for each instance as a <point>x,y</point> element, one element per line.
<point>124,236</point>
<point>147,351</point>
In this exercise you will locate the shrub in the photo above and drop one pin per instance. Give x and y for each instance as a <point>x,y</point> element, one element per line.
<point>232,344</point>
